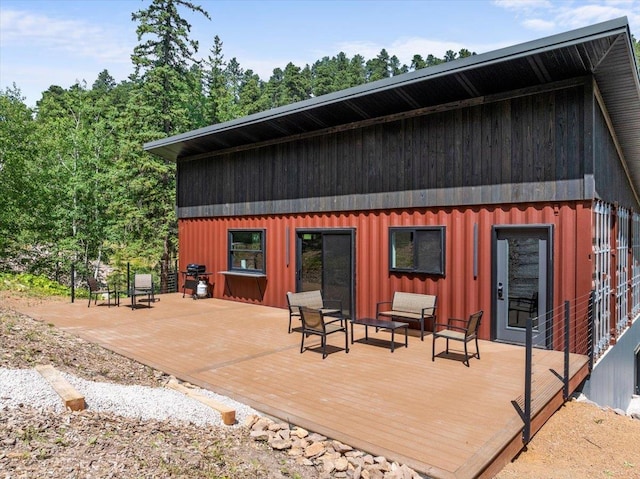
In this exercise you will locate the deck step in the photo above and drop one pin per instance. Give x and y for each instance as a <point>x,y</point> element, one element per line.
<point>227,413</point>
<point>71,398</point>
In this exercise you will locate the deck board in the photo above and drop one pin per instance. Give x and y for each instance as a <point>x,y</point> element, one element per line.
<point>440,418</point>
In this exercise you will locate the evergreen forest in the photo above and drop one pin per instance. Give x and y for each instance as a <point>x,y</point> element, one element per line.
<point>77,187</point>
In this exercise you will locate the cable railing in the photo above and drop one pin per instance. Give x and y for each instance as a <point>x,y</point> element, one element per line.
<point>568,329</point>
<point>120,278</point>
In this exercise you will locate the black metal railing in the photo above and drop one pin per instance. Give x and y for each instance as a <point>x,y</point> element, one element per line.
<point>120,278</point>
<point>569,329</point>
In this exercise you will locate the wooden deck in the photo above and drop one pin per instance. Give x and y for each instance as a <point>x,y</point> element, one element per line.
<point>440,418</point>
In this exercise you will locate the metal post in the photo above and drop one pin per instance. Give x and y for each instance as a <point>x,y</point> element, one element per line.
<point>567,326</point>
<point>128,277</point>
<point>591,326</point>
<point>528,368</point>
<point>73,282</point>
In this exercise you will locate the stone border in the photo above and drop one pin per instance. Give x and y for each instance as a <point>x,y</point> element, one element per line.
<point>331,458</point>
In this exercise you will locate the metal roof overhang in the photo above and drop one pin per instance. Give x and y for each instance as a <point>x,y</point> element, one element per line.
<point>604,50</point>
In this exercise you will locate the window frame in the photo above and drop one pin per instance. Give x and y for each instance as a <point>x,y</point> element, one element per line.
<point>439,271</point>
<point>262,250</point>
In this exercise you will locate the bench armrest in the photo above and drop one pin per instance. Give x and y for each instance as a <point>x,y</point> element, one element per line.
<point>380,304</point>
<point>430,314</point>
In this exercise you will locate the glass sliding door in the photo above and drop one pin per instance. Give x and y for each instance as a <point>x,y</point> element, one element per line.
<point>325,261</point>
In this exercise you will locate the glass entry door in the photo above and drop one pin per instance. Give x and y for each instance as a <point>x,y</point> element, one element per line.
<point>522,280</point>
<point>325,261</point>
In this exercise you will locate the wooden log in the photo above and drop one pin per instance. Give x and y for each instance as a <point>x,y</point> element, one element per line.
<point>227,413</point>
<point>71,398</point>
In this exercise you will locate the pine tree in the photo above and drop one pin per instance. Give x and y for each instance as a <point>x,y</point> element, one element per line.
<point>159,107</point>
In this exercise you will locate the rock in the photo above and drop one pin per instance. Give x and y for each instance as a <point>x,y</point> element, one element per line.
<point>354,453</point>
<point>341,464</point>
<point>328,465</point>
<point>259,435</point>
<point>304,461</point>
<point>297,442</point>
<point>314,450</point>
<point>341,448</point>
<point>280,444</point>
<point>296,451</point>
<point>261,424</point>
<point>314,437</point>
<point>276,426</point>
<point>249,421</point>
<point>375,473</point>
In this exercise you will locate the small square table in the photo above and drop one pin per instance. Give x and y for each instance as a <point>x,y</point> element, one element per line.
<point>382,324</point>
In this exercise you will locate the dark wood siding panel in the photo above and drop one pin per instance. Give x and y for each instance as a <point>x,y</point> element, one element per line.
<point>476,155</point>
<point>611,181</point>
<point>467,159</point>
<point>490,153</point>
<point>486,152</point>
<point>561,145</point>
<point>505,142</point>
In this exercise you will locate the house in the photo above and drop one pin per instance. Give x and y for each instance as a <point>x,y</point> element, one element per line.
<point>507,181</point>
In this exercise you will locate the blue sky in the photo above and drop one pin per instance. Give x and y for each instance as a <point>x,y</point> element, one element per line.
<point>60,42</point>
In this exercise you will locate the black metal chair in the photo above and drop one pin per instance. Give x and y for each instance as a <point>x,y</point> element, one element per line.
<point>463,330</point>
<point>313,322</point>
<point>313,300</point>
<point>96,289</point>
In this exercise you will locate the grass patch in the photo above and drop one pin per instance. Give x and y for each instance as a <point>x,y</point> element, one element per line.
<point>34,285</point>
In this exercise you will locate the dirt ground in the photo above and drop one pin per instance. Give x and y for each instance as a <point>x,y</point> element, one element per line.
<point>580,441</point>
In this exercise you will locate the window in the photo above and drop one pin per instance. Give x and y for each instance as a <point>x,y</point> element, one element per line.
<point>246,250</point>
<point>417,250</point>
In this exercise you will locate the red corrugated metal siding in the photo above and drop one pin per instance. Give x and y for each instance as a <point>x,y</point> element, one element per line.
<point>459,292</point>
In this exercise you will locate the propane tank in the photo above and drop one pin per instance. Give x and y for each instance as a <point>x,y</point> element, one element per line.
<point>201,290</point>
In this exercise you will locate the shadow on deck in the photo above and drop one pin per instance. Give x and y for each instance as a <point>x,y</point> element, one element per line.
<point>440,418</point>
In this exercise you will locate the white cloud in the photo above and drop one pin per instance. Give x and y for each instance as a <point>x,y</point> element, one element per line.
<point>539,25</point>
<point>521,5</point>
<point>71,36</point>
<point>589,14</point>
<point>545,15</point>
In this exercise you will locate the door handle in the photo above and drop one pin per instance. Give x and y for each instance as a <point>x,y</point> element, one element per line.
<point>500,291</point>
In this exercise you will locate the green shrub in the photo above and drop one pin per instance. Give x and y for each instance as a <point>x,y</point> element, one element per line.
<point>32,284</point>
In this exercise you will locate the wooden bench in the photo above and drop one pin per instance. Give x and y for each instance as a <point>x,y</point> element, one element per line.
<point>408,307</point>
<point>313,300</point>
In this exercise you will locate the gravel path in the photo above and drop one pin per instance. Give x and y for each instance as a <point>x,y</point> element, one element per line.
<point>27,387</point>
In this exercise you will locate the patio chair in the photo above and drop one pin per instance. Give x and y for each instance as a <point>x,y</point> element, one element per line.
<point>142,286</point>
<point>314,300</point>
<point>458,330</point>
<point>96,289</point>
<point>313,322</point>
